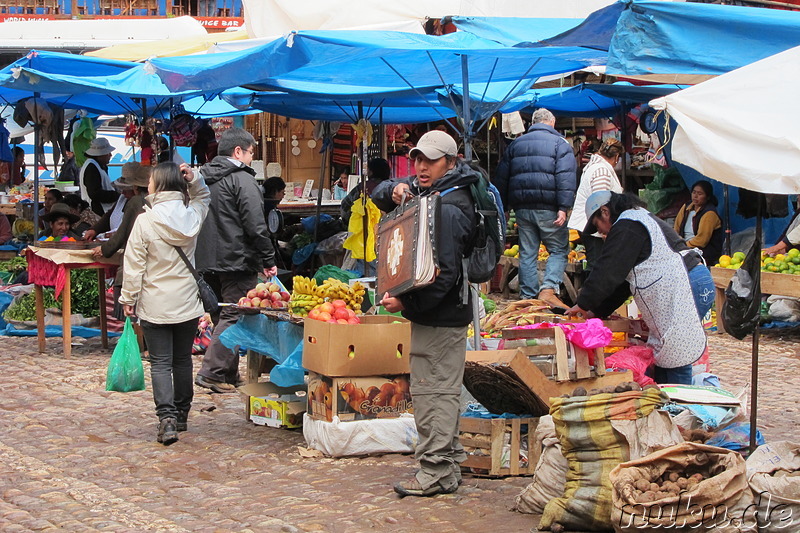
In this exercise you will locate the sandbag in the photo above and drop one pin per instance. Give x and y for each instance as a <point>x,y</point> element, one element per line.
<point>720,502</point>
<point>361,437</point>
<point>773,472</point>
<point>551,470</point>
<point>593,448</point>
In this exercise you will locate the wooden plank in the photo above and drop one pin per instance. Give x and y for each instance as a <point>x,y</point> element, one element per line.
<point>483,462</point>
<point>599,362</point>
<point>582,370</point>
<point>101,286</point>
<point>513,461</point>
<point>498,427</point>
<point>253,366</point>
<point>475,425</point>
<point>771,282</point>
<point>534,450</point>
<point>66,312</point>
<point>562,365</point>
<point>479,441</point>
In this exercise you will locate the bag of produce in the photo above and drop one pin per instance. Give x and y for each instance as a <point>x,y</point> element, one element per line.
<point>773,471</point>
<point>593,447</point>
<point>551,470</point>
<point>687,487</point>
<point>125,371</point>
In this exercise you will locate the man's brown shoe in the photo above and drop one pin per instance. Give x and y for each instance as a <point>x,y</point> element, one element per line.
<point>549,297</point>
<point>215,386</point>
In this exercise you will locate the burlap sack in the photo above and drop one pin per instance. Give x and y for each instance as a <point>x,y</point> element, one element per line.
<point>718,504</point>
<point>773,471</point>
<point>551,470</point>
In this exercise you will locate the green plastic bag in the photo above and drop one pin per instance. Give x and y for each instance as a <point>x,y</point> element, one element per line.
<point>332,271</point>
<point>125,370</point>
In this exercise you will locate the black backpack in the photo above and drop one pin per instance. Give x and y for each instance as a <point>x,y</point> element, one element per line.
<point>489,235</point>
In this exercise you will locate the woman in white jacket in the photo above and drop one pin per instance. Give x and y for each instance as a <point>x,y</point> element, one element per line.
<point>159,289</point>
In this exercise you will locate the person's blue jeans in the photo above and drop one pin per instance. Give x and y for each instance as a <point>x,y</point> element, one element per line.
<point>681,375</point>
<point>703,290</point>
<point>536,226</point>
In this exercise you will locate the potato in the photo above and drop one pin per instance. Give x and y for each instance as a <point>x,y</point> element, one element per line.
<point>579,391</point>
<point>673,476</point>
<point>660,495</point>
<point>592,392</point>
<point>654,487</point>
<point>646,497</point>
<point>557,528</point>
<point>623,387</point>
<point>651,386</point>
<point>642,484</point>
<point>691,484</point>
<point>635,386</point>
<point>682,483</point>
<point>698,477</point>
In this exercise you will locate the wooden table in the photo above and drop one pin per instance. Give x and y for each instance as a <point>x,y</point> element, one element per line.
<point>771,283</point>
<point>57,260</point>
<point>309,207</point>
<point>572,278</point>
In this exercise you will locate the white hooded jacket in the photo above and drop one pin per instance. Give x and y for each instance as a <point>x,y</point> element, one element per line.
<point>157,280</point>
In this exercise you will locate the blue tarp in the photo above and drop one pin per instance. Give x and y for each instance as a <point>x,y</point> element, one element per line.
<point>282,341</point>
<point>514,31</point>
<point>368,62</point>
<point>652,37</point>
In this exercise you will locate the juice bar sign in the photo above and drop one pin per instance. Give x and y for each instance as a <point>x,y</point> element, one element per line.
<point>221,22</point>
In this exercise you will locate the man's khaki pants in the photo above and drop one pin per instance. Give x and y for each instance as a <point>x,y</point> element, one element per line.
<point>437,371</point>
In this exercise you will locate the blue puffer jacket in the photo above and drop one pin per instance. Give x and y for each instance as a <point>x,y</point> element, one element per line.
<point>538,171</point>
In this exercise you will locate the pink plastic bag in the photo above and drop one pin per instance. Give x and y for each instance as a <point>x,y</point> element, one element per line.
<point>588,335</point>
<point>637,359</point>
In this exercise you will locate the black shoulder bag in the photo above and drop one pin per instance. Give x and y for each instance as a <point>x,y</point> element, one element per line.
<point>207,294</point>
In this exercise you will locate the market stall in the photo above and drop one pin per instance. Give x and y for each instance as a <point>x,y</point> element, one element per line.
<point>52,267</point>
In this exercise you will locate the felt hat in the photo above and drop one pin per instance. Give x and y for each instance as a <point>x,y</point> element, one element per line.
<point>134,174</point>
<point>99,146</point>
<point>59,210</point>
<point>435,144</point>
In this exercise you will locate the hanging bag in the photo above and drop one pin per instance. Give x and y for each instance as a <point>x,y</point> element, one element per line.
<point>206,293</point>
<point>125,371</point>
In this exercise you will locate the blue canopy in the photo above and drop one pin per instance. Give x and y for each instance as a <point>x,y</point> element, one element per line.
<point>102,86</point>
<point>514,31</point>
<point>652,37</point>
<point>368,63</point>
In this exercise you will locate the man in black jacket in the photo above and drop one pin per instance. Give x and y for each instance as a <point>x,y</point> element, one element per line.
<point>438,316</point>
<point>232,248</point>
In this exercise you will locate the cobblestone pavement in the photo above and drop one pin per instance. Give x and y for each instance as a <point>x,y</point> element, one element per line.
<point>74,457</point>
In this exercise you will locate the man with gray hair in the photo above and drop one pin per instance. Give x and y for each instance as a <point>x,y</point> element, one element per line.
<point>537,178</point>
<point>232,248</point>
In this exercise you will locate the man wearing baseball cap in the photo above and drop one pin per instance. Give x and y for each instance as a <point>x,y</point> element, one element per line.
<point>438,316</point>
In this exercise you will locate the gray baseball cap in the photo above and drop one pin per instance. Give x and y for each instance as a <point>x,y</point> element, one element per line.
<point>435,144</point>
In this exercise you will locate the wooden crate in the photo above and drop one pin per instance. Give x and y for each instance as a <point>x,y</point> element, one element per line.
<point>487,434</point>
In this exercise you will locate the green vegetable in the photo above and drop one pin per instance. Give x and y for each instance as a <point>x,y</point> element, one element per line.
<point>85,292</point>
<point>15,265</point>
<point>24,308</point>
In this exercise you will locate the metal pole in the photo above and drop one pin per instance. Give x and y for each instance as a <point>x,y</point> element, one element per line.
<point>756,338</point>
<point>727,201</point>
<point>36,154</point>
<point>467,129</point>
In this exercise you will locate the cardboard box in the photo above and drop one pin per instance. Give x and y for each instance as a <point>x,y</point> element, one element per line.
<point>358,398</point>
<point>273,406</point>
<point>379,346</point>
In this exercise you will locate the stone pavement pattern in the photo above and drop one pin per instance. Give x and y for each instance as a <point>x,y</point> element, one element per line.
<point>74,457</point>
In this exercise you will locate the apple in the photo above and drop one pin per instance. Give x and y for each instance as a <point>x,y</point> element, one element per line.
<point>327,307</point>
<point>339,303</point>
<point>286,296</point>
<point>340,313</point>
<point>274,287</point>
<point>353,321</point>
<point>331,321</point>
<point>276,296</point>
<point>245,302</point>
<point>325,316</point>
<point>252,293</point>
<point>262,287</point>
<point>279,304</point>
<point>341,321</point>
<point>264,303</point>
<point>314,314</point>
<point>256,302</point>
<point>263,294</point>
<point>351,313</point>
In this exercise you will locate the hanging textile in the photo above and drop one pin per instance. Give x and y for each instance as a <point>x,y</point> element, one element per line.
<point>355,241</point>
<point>5,148</point>
<point>82,137</point>
<point>343,146</point>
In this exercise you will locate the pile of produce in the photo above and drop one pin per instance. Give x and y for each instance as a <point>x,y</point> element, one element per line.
<point>788,263</point>
<point>519,313</point>
<point>84,298</point>
<point>266,296</point>
<point>622,387</point>
<point>15,265</point>
<point>671,483</point>
<point>324,301</point>
<point>24,308</point>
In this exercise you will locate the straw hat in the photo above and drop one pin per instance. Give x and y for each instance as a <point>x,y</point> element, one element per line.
<point>59,210</point>
<point>134,174</point>
<point>99,146</point>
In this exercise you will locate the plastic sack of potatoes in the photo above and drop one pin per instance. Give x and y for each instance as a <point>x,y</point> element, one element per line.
<point>593,448</point>
<point>686,487</point>
<point>773,471</point>
<point>551,470</point>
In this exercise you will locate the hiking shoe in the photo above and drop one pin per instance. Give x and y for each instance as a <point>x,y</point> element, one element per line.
<point>219,387</point>
<point>182,423</point>
<point>167,431</point>
<point>413,488</point>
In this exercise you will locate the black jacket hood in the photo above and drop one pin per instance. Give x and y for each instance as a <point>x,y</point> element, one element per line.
<point>221,166</point>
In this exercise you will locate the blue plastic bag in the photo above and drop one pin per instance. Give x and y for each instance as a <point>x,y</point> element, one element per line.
<point>125,371</point>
